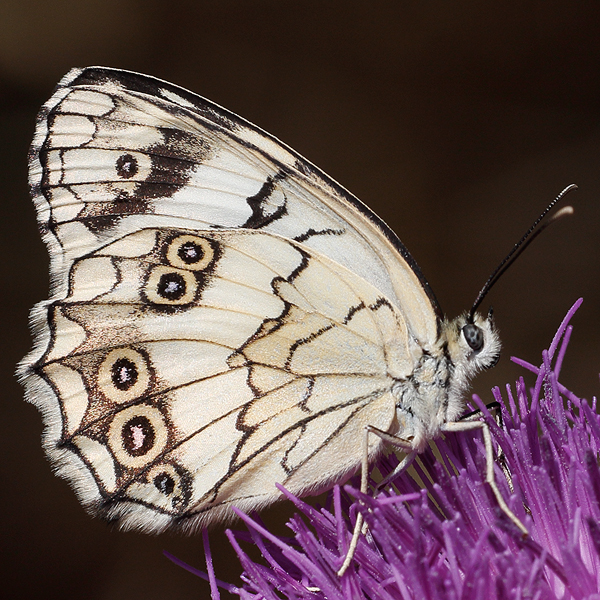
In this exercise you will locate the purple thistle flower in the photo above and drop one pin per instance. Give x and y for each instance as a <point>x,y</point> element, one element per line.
<point>440,534</point>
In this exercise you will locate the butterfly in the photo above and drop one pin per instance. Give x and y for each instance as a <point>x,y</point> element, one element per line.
<point>223,316</point>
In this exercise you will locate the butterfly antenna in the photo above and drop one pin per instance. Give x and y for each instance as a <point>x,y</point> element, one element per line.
<point>518,248</point>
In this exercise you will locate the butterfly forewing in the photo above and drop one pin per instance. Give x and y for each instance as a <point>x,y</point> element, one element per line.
<point>120,151</point>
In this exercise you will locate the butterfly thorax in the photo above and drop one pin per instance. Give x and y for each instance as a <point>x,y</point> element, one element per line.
<point>434,394</point>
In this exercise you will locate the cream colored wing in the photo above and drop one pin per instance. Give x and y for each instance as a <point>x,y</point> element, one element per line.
<point>115,152</point>
<point>187,371</point>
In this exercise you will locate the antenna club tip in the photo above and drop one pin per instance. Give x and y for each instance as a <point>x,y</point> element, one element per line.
<point>570,188</point>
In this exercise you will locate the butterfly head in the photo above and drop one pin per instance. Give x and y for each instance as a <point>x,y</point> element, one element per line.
<point>473,342</point>
<point>473,345</point>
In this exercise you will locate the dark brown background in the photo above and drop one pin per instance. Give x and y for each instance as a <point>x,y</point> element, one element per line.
<point>457,122</point>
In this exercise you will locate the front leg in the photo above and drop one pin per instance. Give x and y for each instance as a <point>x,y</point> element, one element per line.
<point>364,479</point>
<point>489,460</point>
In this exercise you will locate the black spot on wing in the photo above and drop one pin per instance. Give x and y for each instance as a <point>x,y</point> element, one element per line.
<point>127,166</point>
<point>124,374</point>
<point>169,173</point>
<point>172,286</point>
<point>268,204</point>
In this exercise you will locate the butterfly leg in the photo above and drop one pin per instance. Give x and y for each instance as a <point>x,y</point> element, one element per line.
<point>494,409</point>
<point>364,480</point>
<point>489,459</point>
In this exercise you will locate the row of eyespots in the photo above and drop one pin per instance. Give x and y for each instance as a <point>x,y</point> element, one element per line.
<point>138,434</point>
<point>190,257</point>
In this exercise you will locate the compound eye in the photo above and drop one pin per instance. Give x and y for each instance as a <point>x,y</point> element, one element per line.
<point>473,336</point>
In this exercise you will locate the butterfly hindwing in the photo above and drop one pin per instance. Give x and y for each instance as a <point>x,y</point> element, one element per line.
<point>193,370</point>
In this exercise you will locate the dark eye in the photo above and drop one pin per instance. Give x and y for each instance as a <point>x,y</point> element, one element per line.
<point>474,336</point>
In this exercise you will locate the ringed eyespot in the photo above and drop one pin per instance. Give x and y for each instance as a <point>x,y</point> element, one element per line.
<point>191,252</point>
<point>124,375</point>
<point>137,435</point>
<point>171,483</point>
<point>170,286</point>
